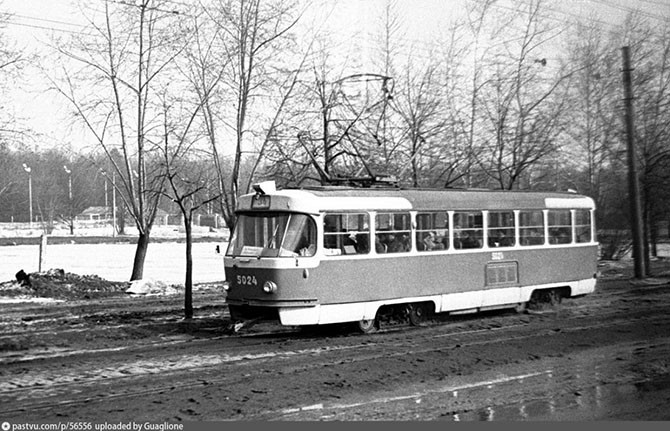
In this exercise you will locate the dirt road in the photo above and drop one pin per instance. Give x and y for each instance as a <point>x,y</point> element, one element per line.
<point>117,358</point>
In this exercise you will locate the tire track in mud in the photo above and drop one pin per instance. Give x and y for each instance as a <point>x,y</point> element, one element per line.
<point>56,387</point>
<point>31,332</point>
<point>563,390</point>
<point>81,377</point>
<point>26,318</point>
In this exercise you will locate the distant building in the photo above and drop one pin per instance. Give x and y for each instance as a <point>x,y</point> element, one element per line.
<point>93,214</point>
<point>162,218</point>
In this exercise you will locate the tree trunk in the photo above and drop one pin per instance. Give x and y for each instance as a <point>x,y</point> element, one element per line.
<point>140,255</point>
<point>188,284</point>
<point>121,223</point>
<point>646,220</point>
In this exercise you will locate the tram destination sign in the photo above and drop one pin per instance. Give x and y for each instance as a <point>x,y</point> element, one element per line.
<point>260,202</point>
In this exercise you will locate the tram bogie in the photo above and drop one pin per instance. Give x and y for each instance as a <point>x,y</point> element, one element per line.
<point>335,255</point>
<point>548,297</point>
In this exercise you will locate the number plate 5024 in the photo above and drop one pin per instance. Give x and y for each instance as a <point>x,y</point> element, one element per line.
<point>247,280</point>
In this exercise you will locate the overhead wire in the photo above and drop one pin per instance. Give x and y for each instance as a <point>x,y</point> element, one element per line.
<point>421,49</point>
<point>81,28</point>
<point>48,28</point>
<point>427,46</point>
<point>629,9</point>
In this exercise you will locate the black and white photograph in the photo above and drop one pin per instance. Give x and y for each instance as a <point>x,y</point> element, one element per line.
<point>346,212</point>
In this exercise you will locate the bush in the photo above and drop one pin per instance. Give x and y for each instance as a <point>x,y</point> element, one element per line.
<point>614,244</point>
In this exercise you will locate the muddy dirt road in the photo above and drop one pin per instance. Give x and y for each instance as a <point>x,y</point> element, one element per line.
<point>119,358</point>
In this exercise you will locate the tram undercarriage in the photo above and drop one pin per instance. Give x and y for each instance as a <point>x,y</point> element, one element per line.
<point>400,314</point>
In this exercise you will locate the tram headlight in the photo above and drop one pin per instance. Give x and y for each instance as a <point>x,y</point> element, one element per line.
<point>226,286</point>
<point>269,287</point>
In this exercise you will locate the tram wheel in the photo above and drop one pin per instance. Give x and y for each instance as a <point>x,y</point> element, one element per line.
<point>553,297</point>
<point>368,326</point>
<point>546,298</point>
<point>417,314</point>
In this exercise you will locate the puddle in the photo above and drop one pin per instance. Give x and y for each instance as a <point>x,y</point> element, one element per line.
<point>581,397</point>
<point>631,383</point>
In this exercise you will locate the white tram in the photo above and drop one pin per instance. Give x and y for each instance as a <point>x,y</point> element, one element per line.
<point>335,254</point>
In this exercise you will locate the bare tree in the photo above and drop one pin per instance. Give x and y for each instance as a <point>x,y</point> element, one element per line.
<point>390,40</point>
<point>120,65</point>
<point>342,120</point>
<point>190,184</point>
<point>325,123</point>
<point>523,108</point>
<point>6,181</point>
<point>595,93</point>
<point>250,33</point>
<point>479,17</point>
<point>10,57</point>
<point>11,61</point>
<point>419,103</point>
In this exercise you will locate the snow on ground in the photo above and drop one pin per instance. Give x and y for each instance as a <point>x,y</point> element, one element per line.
<point>24,230</point>
<point>151,287</point>
<point>26,298</point>
<point>165,262</point>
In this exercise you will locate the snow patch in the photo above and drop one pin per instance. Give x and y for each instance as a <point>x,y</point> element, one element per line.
<point>151,286</point>
<point>23,298</point>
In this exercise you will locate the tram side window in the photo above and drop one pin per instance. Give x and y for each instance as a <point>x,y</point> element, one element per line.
<point>531,227</point>
<point>560,227</point>
<point>346,233</point>
<point>300,237</point>
<point>393,233</point>
<point>468,230</point>
<point>432,231</point>
<point>583,225</point>
<point>501,229</point>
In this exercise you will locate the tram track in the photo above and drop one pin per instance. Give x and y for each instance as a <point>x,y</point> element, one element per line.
<point>169,362</point>
<point>372,349</point>
<point>19,356</point>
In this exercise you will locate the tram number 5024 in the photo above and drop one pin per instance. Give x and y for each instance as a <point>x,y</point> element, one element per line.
<point>248,280</point>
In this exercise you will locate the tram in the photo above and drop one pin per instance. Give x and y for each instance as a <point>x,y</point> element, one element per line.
<point>334,254</point>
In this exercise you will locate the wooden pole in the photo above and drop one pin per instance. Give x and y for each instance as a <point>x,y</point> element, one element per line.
<point>43,252</point>
<point>633,184</point>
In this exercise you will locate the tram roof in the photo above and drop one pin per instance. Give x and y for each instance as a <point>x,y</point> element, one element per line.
<point>344,198</point>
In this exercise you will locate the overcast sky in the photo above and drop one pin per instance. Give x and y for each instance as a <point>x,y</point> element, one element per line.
<point>35,20</point>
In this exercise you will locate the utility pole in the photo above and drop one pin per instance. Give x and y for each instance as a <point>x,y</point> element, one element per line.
<point>633,184</point>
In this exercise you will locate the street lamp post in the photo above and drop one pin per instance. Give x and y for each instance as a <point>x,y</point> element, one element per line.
<point>30,191</point>
<point>69,190</point>
<point>69,183</point>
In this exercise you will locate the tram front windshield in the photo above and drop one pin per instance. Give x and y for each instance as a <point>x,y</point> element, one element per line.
<point>273,235</point>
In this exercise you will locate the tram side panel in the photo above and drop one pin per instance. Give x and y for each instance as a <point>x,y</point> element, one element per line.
<point>394,277</point>
<point>421,275</point>
<point>546,268</point>
<point>452,281</point>
<point>562,266</point>
<point>353,289</point>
